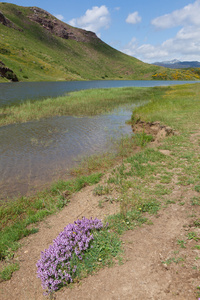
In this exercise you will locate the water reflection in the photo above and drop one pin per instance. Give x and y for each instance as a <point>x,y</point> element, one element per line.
<point>38,152</point>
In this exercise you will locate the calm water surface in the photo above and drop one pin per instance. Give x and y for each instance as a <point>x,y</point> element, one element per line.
<point>39,152</point>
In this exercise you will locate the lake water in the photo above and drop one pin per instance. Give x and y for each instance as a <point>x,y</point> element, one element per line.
<point>37,153</point>
<point>15,92</point>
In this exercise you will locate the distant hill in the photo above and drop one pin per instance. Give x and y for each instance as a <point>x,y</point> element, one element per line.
<point>36,46</point>
<point>177,64</point>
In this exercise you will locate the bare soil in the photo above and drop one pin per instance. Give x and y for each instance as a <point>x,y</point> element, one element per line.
<point>155,265</point>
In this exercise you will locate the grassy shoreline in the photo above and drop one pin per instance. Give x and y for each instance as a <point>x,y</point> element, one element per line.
<point>86,102</point>
<point>176,106</point>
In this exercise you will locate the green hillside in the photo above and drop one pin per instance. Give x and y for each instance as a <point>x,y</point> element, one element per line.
<point>38,47</point>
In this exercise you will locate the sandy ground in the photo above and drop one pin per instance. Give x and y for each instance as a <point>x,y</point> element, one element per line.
<point>145,273</point>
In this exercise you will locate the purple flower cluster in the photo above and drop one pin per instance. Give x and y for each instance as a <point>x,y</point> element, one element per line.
<point>55,268</point>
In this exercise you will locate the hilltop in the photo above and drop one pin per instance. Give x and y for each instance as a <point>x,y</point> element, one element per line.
<point>36,46</point>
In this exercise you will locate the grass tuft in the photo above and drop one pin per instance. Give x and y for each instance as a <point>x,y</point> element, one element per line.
<point>7,272</point>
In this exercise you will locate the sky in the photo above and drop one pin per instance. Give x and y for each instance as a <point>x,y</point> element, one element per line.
<point>150,30</point>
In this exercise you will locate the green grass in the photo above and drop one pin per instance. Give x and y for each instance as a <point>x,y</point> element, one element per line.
<point>193,236</point>
<point>142,139</point>
<point>16,216</point>
<point>105,246</point>
<point>135,175</point>
<point>122,222</point>
<point>197,223</point>
<point>173,108</point>
<point>195,201</point>
<point>181,243</point>
<point>176,260</point>
<point>7,272</point>
<point>86,102</point>
<point>122,149</point>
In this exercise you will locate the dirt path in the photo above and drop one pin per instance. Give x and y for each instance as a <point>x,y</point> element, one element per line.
<point>156,264</point>
<point>142,276</point>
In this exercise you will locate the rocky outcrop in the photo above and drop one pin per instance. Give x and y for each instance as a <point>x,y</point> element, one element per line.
<point>59,28</point>
<point>5,21</point>
<point>7,73</point>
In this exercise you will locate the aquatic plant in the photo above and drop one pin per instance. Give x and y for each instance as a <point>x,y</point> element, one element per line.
<point>57,266</point>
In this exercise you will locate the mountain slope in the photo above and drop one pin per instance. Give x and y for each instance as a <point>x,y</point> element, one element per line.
<point>38,47</point>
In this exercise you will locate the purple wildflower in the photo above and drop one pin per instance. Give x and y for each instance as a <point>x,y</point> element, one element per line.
<point>55,267</point>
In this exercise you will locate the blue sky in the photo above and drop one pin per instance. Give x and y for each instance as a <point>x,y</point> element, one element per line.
<point>154,30</point>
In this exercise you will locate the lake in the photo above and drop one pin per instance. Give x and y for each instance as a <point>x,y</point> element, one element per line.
<point>15,92</point>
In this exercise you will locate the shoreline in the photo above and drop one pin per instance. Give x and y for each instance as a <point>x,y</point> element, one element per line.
<point>82,103</point>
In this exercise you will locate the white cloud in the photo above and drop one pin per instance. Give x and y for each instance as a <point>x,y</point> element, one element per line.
<point>186,41</point>
<point>145,52</point>
<point>133,18</point>
<point>60,17</point>
<point>184,45</point>
<point>93,20</point>
<point>117,8</point>
<point>131,48</point>
<point>188,14</point>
